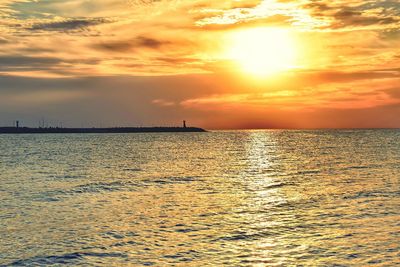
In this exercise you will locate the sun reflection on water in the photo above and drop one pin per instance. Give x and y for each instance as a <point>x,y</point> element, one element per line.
<point>237,198</point>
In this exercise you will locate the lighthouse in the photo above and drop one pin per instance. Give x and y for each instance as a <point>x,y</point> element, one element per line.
<point>184,124</point>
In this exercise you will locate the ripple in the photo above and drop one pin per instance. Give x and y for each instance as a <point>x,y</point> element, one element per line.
<point>69,258</point>
<point>273,198</point>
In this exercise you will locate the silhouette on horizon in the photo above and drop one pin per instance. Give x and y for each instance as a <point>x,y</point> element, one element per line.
<point>28,130</point>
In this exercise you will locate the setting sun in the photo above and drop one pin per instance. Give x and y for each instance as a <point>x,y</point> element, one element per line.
<point>263,51</point>
<point>199,133</point>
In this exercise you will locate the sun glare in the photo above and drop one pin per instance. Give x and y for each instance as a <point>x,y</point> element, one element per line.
<point>262,51</point>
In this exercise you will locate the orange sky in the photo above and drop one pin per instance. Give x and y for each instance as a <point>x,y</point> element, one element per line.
<point>217,64</point>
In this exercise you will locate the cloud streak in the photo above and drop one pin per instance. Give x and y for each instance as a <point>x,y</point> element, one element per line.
<point>68,24</point>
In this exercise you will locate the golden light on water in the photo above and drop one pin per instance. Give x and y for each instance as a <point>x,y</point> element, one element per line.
<point>263,51</point>
<point>237,198</point>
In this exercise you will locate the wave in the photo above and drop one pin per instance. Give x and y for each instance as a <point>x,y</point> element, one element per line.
<point>68,258</point>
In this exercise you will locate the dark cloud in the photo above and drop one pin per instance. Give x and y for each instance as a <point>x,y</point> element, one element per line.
<point>393,92</point>
<point>15,63</point>
<point>393,34</point>
<point>24,60</point>
<point>68,24</point>
<point>150,42</point>
<point>36,50</point>
<point>352,17</point>
<point>18,60</point>
<point>176,60</point>
<point>337,76</point>
<point>129,45</point>
<point>114,46</point>
<point>3,41</point>
<point>318,8</point>
<point>347,13</point>
<point>365,14</point>
<point>317,78</point>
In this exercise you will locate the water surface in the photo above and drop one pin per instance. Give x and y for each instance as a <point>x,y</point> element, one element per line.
<point>236,198</point>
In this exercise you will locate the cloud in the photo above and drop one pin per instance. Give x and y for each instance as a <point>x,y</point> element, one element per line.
<point>393,92</point>
<point>40,98</point>
<point>20,61</point>
<point>323,77</point>
<point>343,15</point>
<point>163,102</point>
<point>352,17</point>
<point>41,66</point>
<point>68,24</point>
<point>171,37</point>
<point>245,4</point>
<point>310,91</point>
<point>202,100</point>
<point>150,42</point>
<point>128,45</point>
<point>276,12</point>
<point>114,46</point>
<point>3,41</point>
<point>318,7</point>
<point>278,20</point>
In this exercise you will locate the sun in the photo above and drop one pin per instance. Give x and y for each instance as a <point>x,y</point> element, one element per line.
<point>262,51</point>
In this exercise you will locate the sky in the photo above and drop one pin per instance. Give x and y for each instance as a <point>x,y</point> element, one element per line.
<point>216,64</point>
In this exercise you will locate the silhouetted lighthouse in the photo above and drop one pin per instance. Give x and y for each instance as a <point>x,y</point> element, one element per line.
<point>17,124</point>
<point>184,124</point>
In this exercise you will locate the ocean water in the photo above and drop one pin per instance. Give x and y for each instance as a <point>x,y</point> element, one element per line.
<point>229,198</point>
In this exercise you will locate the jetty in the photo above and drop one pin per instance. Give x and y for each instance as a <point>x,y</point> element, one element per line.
<point>59,130</point>
<point>50,130</point>
<point>55,130</point>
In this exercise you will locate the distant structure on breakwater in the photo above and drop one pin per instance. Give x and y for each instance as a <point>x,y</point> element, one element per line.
<point>17,129</point>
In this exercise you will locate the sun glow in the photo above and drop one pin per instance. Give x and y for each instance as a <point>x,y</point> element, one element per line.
<point>263,51</point>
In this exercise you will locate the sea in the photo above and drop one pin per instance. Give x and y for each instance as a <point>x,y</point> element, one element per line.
<point>220,198</point>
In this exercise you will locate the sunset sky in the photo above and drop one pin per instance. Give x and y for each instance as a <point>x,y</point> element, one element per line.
<point>217,64</point>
